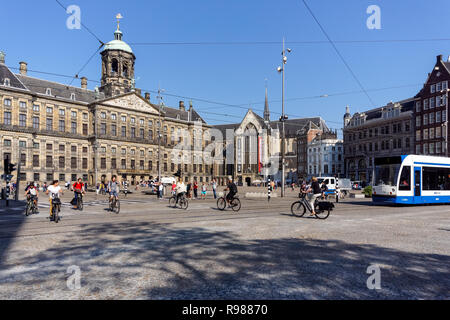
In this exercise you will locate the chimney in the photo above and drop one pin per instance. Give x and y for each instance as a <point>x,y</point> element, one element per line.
<point>147,96</point>
<point>190,106</point>
<point>23,68</point>
<point>2,57</point>
<point>83,83</point>
<point>181,105</point>
<point>138,91</point>
<point>439,58</point>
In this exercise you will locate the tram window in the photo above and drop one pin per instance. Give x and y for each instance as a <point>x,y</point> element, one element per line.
<point>405,179</point>
<point>436,178</point>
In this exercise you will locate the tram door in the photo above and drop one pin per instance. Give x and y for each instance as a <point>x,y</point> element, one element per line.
<point>417,184</point>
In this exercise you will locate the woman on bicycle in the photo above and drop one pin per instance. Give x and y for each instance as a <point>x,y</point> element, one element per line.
<point>54,190</point>
<point>314,192</point>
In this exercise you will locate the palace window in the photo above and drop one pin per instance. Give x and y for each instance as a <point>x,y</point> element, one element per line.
<point>36,122</point>
<point>22,120</point>
<point>7,118</point>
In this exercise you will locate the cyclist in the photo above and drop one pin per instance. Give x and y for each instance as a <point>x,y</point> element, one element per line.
<point>32,193</point>
<point>112,189</point>
<point>78,189</point>
<point>314,192</point>
<point>180,190</point>
<point>54,190</point>
<point>232,188</point>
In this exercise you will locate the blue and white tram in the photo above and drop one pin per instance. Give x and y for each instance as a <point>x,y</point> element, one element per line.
<point>412,179</point>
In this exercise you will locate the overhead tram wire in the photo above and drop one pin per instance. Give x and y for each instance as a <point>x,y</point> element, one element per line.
<point>338,52</point>
<point>82,24</point>
<point>241,43</point>
<point>84,66</point>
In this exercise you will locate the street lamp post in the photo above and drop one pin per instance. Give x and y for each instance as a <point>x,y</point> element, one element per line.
<point>283,119</point>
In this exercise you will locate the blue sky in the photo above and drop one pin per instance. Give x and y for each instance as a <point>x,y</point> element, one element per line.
<point>35,32</point>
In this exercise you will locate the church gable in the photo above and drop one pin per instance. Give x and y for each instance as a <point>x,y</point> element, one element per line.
<point>250,118</point>
<point>131,101</point>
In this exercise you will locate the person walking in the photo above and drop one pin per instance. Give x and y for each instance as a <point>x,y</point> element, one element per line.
<point>203,195</point>
<point>161,190</point>
<point>214,187</point>
<point>195,189</point>
<point>189,190</point>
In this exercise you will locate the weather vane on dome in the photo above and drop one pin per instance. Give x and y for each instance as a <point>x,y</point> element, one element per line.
<point>118,17</point>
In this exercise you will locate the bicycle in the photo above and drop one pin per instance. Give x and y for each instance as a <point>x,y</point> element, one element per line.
<point>235,203</point>
<point>31,207</point>
<point>80,202</point>
<point>183,202</point>
<point>298,208</point>
<point>114,205</point>
<point>56,208</point>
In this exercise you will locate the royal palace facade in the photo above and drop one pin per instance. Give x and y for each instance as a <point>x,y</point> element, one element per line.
<point>56,131</point>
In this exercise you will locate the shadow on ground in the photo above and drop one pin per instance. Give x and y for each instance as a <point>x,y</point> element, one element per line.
<point>158,261</point>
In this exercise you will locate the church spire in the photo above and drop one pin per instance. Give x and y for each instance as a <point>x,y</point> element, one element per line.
<point>266,108</point>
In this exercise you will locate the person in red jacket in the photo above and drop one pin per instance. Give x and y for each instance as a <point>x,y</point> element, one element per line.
<point>78,188</point>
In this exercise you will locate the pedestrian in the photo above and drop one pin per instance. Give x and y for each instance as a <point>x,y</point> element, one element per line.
<point>174,185</point>
<point>203,191</point>
<point>214,187</point>
<point>161,190</point>
<point>195,189</point>
<point>97,188</point>
<point>189,190</point>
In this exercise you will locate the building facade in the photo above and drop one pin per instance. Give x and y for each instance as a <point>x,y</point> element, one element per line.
<point>252,148</point>
<point>56,131</point>
<point>431,110</point>
<point>384,131</point>
<point>326,156</point>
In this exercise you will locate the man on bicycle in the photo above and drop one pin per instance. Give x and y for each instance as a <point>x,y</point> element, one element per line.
<point>78,189</point>
<point>232,188</point>
<point>32,193</point>
<point>180,190</point>
<point>112,189</point>
<point>54,190</point>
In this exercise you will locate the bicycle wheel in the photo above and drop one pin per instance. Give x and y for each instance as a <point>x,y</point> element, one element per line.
<point>184,203</point>
<point>28,209</point>
<point>298,209</point>
<point>117,207</point>
<point>322,214</point>
<point>236,204</point>
<point>221,203</point>
<point>80,204</point>
<point>172,202</point>
<point>55,214</point>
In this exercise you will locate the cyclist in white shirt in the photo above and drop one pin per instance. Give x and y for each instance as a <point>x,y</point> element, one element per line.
<point>180,189</point>
<point>54,190</point>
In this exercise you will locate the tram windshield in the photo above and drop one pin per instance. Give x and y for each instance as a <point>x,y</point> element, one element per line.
<point>386,170</point>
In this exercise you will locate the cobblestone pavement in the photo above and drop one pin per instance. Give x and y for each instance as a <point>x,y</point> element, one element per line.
<point>151,251</point>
